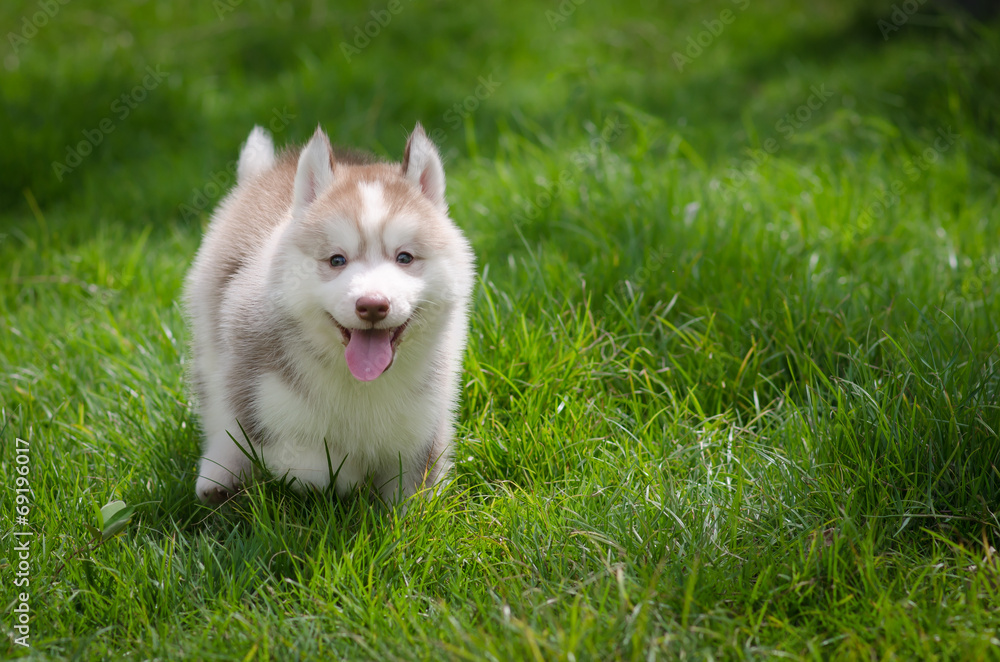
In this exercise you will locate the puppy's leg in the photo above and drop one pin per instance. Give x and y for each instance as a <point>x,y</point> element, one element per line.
<point>404,478</point>
<point>223,467</point>
<point>439,457</point>
<point>309,464</point>
<point>395,483</point>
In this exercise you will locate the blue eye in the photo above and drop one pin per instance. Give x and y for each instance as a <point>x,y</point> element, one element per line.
<point>338,260</point>
<point>404,258</point>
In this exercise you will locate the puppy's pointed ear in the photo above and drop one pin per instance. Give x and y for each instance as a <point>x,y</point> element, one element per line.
<point>422,167</point>
<point>257,155</point>
<point>314,173</point>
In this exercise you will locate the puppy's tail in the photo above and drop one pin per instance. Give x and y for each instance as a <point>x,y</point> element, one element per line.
<point>257,155</point>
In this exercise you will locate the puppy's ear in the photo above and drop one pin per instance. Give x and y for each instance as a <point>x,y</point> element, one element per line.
<point>422,167</point>
<point>314,173</point>
<point>257,155</point>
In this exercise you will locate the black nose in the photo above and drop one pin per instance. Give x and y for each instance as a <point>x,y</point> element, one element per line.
<point>372,309</point>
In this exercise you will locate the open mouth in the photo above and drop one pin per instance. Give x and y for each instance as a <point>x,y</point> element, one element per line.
<point>370,352</point>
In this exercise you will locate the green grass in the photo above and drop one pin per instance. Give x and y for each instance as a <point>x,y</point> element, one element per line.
<point>724,398</point>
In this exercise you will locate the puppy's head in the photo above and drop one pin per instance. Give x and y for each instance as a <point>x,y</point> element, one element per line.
<point>386,264</point>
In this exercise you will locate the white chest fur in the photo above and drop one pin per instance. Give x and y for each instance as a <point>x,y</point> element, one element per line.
<point>366,427</point>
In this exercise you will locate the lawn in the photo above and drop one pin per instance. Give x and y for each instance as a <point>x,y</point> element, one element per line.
<point>733,382</point>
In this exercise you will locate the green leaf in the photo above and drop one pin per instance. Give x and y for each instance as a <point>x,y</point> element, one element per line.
<point>109,510</point>
<point>114,517</point>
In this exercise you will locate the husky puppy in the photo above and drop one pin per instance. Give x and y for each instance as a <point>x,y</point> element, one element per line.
<point>328,310</point>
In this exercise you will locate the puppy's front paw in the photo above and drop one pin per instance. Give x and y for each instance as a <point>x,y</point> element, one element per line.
<point>215,487</point>
<point>213,494</point>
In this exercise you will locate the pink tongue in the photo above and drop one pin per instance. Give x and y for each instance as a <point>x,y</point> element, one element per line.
<point>369,353</point>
